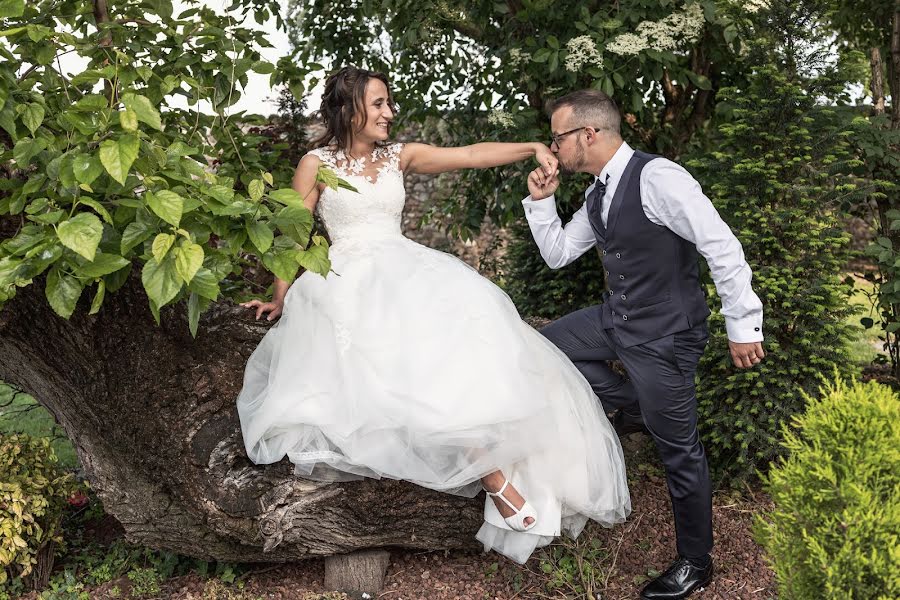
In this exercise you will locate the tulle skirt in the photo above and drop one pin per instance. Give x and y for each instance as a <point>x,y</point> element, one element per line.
<point>405,363</point>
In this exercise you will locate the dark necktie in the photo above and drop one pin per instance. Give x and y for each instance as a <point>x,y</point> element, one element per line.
<point>597,196</point>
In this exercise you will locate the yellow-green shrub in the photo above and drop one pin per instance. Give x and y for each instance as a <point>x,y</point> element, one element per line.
<point>835,530</point>
<point>33,495</point>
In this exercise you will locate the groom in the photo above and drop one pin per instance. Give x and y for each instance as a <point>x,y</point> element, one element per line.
<point>650,219</point>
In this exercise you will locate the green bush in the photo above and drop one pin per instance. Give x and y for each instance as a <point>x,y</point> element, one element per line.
<point>539,291</point>
<point>33,496</point>
<point>775,179</point>
<point>835,530</point>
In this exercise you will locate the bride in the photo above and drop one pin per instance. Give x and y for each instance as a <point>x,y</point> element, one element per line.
<point>406,363</point>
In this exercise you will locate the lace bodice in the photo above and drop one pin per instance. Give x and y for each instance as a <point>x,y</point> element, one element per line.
<point>374,209</point>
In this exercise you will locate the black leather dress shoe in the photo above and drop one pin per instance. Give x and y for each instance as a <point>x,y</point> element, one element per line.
<point>625,424</point>
<point>680,580</point>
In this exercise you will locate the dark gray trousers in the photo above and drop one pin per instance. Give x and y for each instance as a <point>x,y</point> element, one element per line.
<point>659,388</point>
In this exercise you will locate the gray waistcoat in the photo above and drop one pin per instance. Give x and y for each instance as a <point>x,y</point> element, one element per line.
<point>652,274</point>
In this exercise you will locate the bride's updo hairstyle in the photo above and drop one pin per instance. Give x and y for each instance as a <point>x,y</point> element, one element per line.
<point>344,97</point>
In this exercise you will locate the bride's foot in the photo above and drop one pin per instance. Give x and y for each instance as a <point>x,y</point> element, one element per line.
<point>514,509</point>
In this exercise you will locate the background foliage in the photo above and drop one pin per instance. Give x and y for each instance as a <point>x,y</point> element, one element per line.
<point>118,168</point>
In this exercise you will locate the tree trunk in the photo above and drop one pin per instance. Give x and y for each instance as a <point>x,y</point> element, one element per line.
<point>895,68</point>
<point>151,413</point>
<point>877,81</point>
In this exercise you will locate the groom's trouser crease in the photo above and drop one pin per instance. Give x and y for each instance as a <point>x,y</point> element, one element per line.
<point>661,388</point>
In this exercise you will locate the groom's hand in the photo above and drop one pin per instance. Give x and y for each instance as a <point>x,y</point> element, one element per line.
<point>746,355</point>
<point>541,185</point>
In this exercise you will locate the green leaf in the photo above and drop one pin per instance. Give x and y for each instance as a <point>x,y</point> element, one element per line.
<point>134,234</point>
<point>12,8</point>
<point>118,156</point>
<point>283,264</point>
<point>33,116</point>
<point>267,177</point>
<point>188,260</point>
<point>161,281</point>
<point>220,192</point>
<point>62,292</point>
<point>328,177</point>
<point>261,236</point>
<point>97,207</point>
<point>82,234</point>
<point>289,196</point>
<point>205,284</point>
<point>700,81</point>
<point>161,245</point>
<point>315,259</point>
<point>256,189</point>
<point>26,149</point>
<point>263,67</point>
<point>128,120</point>
<point>167,205</point>
<point>295,221</point>
<point>144,109</point>
<point>15,30</point>
<point>48,218</point>
<point>103,264</point>
<point>98,298</point>
<point>193,313</point>
<point>86,168</point>
<point>179,148</point>
<point>541,56</point>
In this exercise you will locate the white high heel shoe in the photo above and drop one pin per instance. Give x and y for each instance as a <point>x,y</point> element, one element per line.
<point>517,521</point>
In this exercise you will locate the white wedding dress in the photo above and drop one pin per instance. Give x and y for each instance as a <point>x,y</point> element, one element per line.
<point>406,363</point>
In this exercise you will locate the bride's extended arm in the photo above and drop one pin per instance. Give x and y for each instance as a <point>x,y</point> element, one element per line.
<point>304,183</point>
<point>423,158</point>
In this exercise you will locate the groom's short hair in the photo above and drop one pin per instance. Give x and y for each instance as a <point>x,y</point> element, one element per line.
<point>590,108</point>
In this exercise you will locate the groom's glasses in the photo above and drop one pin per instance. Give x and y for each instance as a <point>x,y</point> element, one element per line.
<point>556,137</point>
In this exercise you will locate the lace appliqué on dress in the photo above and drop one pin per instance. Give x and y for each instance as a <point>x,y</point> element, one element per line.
<point>345,166</point>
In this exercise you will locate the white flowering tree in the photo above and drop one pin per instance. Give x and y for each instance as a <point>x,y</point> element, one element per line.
<point>484,69</point>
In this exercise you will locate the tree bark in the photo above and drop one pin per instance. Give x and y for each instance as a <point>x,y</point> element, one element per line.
<point>151,413</point>
<point>877,80</point>
<point>895,68</point>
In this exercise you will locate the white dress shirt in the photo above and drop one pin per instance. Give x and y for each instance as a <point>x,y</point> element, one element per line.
<point>670,197</point>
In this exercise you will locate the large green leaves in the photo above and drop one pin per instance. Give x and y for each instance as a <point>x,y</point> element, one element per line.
<point>103,264</point>
<point>315,259</point>
<point>260,235</point>
<point>118,156</point>
<point>62,291</point>
<point>161,280</point>
<point>143,110</point>
<point>86,168</point>
<point>188,260</point>
<point>100,184</point>
<point>33,116</point>
<point>167,204</point>
<point>82,234</point>
<point>12,8</point>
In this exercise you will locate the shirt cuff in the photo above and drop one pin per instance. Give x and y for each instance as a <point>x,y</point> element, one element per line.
<point>745,330</point>
<point>540,211</point>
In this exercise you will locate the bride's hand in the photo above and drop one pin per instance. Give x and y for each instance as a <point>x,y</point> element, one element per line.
<point>545,157</point>
<point>273,308</point>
